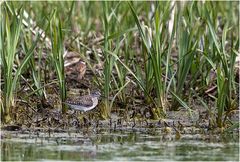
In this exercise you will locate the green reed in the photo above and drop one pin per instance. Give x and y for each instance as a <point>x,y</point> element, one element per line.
<point>57,55</point>
<point>187,39</point>
<point>225,61</point>
<point>156,41</point>
<point>11,25</point>
<point>109,60</point>
<point>172,67</point>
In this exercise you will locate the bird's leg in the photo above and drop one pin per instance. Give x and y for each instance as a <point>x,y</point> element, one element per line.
<point>80,117</point>
<point>87,118</point>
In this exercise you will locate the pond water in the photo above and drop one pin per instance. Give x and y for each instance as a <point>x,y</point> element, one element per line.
<point>116,146</point>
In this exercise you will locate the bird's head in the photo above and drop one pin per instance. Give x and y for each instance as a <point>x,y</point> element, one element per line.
<point>96,94</point>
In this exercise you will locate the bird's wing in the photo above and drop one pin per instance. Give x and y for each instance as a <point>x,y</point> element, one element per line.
<point>85,101</point>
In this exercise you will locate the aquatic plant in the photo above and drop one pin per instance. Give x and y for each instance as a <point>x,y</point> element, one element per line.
<point>57,55</point>
<point>11,25</point>
<point>167,54</point>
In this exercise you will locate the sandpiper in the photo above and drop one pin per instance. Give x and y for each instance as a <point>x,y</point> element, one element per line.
<point>84,103</point>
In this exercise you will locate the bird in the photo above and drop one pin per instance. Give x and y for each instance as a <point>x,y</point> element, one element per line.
<point>84,103</point>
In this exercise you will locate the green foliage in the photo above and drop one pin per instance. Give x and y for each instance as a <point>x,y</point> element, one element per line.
<point>57,56</point>
<point>169,64</point>
<point>10,33</point>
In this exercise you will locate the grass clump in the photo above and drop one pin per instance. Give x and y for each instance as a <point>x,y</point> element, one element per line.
<point>10,34</point>
<point>166,54</point>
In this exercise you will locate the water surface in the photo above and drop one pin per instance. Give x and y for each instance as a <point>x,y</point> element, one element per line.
<point>117,146</point>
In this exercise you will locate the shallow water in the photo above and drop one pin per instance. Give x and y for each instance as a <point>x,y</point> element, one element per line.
<point>116,145</point>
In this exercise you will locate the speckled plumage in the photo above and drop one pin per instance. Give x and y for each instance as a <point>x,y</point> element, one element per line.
<point>84,103</point>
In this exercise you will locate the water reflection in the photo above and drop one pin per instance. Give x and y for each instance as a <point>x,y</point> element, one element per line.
<point>106,145</point>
